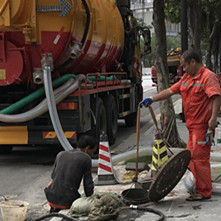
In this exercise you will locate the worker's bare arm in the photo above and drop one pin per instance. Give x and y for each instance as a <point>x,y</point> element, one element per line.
<point>216,108</point>
<point>163,95</point>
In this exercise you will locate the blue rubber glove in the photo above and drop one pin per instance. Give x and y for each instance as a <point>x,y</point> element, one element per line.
<point>146,101</point>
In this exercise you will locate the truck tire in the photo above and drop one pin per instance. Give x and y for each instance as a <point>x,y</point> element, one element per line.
<point>112,116</point>
<point>100,115</point>
<point>131,119</point>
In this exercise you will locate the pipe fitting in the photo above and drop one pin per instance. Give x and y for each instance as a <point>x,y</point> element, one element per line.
<point>75,50</point>
<point>38,76</point>
<point>47,61</point>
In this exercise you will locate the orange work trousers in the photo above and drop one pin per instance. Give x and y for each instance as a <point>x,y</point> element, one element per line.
<point>200,161</point>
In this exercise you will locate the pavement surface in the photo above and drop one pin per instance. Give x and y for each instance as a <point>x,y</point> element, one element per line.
<point>174,206</point>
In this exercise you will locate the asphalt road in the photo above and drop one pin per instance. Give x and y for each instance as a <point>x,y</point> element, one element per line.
<point>25,172</point>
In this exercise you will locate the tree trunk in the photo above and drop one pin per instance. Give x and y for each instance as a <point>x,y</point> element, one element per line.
<point>209,47</point>
<point>166,106</point>
<point>197,26</point>
<point>194,15</point>
<point>212,44</point>
<point>190,16</point>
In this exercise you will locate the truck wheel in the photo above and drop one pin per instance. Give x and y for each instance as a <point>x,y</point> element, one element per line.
<point>111,111</point>
<point>131,119</point>
<point>100,115</point>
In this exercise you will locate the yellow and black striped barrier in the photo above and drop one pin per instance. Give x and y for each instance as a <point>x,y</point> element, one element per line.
<point>159,155</point>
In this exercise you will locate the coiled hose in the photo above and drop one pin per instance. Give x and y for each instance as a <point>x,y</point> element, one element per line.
<point>60,93</point>
<point>150,210</point>
<point>36,94</point>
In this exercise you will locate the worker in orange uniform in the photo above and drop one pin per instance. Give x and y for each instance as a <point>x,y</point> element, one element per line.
<point>200,91</point>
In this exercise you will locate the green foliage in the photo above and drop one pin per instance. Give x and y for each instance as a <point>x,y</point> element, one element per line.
<point>210,14</point>
<point>172,11</point>
<point>172,43</point>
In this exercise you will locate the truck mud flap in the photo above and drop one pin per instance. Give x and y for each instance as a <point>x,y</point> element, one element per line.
<point>49,137</point>
<point>13,135</point>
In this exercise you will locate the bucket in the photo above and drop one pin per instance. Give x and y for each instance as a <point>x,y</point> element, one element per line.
<point>13,210</point>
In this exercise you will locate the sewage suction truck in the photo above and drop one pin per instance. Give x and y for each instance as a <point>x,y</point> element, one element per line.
<point>68,68</point>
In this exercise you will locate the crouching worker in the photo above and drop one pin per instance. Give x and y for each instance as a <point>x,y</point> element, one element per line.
<point>69,169</point>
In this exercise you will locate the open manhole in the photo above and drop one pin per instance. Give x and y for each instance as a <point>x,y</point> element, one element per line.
<point>135,196</point>
<point>166,179</point>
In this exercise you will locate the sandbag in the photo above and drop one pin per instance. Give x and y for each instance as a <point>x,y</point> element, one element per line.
<point>82,206</point>
<point>106,208</point>
<point>98,207</point>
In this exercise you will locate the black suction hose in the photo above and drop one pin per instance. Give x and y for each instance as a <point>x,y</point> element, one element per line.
<point>151,210</point>
<point>88,19</point>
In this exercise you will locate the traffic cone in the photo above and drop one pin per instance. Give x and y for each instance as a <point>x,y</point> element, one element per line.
<point>159,155</point>
<point>105,174</point>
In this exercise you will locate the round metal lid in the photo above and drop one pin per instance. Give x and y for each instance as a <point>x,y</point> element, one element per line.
<point>169,175</point>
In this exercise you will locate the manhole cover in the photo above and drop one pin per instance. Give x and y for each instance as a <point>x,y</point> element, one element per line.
<point>169,175</point>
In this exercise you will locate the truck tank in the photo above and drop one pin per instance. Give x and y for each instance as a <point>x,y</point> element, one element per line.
<point>83,37</point>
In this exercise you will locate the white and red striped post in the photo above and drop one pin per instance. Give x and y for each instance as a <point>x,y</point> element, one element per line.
<point>105,175</point>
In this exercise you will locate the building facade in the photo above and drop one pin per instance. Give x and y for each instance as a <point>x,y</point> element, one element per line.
<point>143,9</point>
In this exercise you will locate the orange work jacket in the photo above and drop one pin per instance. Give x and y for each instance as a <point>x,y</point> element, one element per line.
<point>196,93</point>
